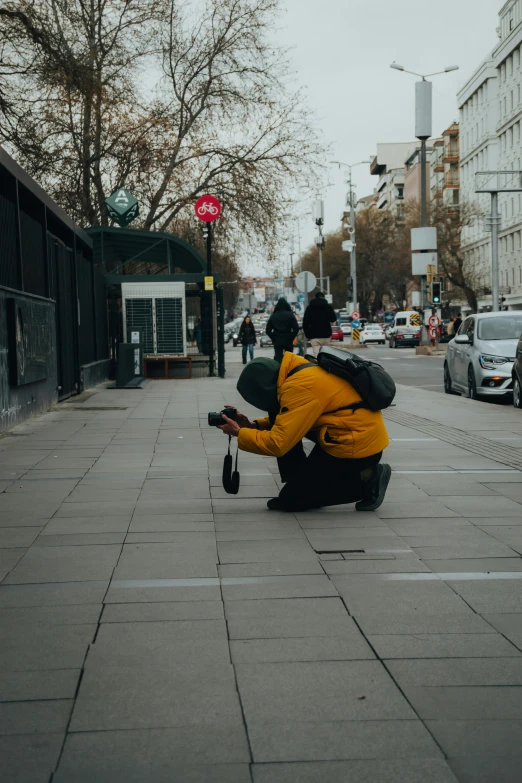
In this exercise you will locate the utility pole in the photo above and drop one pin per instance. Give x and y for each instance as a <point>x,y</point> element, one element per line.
<point>353,253</point>
<point>318,216</point>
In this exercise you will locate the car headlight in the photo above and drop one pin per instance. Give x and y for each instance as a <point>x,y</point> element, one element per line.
<point>488,362</point>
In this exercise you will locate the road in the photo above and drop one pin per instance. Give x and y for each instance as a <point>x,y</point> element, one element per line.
<point>424,372</point>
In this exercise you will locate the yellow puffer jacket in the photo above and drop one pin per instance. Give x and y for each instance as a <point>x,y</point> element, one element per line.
<point>305,399</point>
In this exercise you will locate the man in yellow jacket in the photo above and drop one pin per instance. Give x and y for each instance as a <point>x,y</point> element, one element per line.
<point>303,400</point>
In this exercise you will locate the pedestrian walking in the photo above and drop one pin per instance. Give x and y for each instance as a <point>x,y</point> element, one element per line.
<point>317,323</point>
<point>457,324</point>
<point>282,328</point>
<point>247,337</point>
<point>300,341</point>
<point>451,328</point>
<point>345,464</point>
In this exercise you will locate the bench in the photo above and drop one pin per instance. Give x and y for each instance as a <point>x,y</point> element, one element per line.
<point>166,361</point>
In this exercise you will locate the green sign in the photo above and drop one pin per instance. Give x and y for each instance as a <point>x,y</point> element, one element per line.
<point>122,207</point>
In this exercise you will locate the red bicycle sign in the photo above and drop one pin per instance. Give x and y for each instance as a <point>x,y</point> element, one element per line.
<point>207,208</point>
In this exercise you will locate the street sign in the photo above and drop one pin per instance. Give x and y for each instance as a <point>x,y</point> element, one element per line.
<point>305,282</point>
<point>355,335</point>
<point>209,283</point>
<point>122,207</point>
<point>347,246</point>
<point>380,312</point>
<point>434,320</point>
<point>356,314</point>
<point>432,331</point>
<point>329,298</point>
<point>415,319</point>
<point>207,208</point>
<point>389,317</point>
<point>356,324</point>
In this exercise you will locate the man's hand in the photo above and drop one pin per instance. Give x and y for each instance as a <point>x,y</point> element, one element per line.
<point>230,427</point>
<point>241,419</point>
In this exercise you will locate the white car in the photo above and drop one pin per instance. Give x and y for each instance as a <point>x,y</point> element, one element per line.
<point>346,327</point>
<point>373,333</point>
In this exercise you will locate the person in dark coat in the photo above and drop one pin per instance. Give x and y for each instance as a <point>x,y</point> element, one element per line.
<point>317,322</point>
<point>248,338</point>
<point>457,324</point>
<point>282,328</point>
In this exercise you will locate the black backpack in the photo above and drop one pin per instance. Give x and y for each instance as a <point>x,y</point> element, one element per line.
<point>370,380</point>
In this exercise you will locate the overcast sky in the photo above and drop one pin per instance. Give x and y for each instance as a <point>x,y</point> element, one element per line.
<point>342,50</point>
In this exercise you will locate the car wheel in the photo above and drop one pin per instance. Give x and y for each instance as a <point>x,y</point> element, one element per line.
<point>447,380</point>
<point>517,394</point>
<point>472,384</point>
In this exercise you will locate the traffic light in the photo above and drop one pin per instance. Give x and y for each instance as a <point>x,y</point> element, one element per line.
<point>436,291</point>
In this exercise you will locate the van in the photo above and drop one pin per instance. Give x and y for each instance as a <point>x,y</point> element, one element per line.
<point>406,329</point>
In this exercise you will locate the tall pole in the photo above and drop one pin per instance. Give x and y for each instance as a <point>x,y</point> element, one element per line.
<point>495,299</point>
<point>211,361</point>
<point>424,185</point>
<point>320,249</point>
<point>353,254</point>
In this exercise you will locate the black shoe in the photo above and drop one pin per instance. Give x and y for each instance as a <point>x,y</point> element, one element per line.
<point>375,489</point>
<point>274,504</point>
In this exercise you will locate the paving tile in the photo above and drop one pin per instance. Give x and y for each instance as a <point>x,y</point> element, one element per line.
<point>371,771</point>
<point>287,618</point>
<point>487,769</point>
<point>34,717</point>
<point>80,540</point>
<point>399,621</point>
<point>170,773</point>
<point>123,592</point>
<point>167,561</point>
<point>31,648</point>
<point>495,738</point>
<point>386,565</point>
<point>326,648</point>
<point>415,510</point>
<point>484,506</point>
<point>456,672</point>
<point>160,612</point>
<point>30,758</point>
<point>8,560</point>
<point>261,551</point>
<point>141,697</point>
<point>138,644</point>
<point>491,596</point>
<point>511,536</point>
<point>475,565</point>
<point>277,587</point>
<point>466,703</point>
<point>449,645</point>
<point>85,494</point>
<point>321,741</point>
<point>461,549</point>
<point>83,614</point>
<point>96,509</point>
<point>508,624</point>
<point>84,525</point>
<point>13,538</point>
<point>270,568</point>
<point>319,691</point>
<point>370,593</point>
<point>159,523</point>
<point>50,594</point>
<point>65,564</point>
<point>39,685</point>
<point>173,506</point>
<point>155,754</point>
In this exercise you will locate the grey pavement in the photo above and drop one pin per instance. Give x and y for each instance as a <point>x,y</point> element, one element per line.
<point>154,628</point>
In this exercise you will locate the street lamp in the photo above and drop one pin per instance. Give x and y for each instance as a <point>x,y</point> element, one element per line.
<point>423,129</point>
<point>353,251</point>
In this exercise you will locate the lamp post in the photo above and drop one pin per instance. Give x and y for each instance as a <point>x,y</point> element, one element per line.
<point>318,216</point>
<point>353,252</point>
<point>423,131</point>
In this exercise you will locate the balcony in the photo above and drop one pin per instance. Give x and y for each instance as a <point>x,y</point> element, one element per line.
<point>451,180</point>
<point>376,167</point>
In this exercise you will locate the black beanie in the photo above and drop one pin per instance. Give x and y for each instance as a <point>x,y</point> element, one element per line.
<point>257,384</point>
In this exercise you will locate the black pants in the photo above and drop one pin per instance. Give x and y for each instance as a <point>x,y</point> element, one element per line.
<point>280,349</point>
<point>320,479</point>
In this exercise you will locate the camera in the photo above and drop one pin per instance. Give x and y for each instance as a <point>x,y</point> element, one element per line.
<point>216,419</point>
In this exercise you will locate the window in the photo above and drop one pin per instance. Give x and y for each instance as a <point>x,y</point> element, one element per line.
<point>512,99</point>
<point>505,105</point>
<point>517,59</point>
<point>511,237</point>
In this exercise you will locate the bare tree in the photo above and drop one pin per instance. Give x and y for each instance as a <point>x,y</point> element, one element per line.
<point>164,97</point>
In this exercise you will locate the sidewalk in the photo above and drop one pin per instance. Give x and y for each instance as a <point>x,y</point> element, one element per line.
<point>156,630</point>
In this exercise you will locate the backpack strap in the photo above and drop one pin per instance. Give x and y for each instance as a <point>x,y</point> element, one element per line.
<point>355,406</point>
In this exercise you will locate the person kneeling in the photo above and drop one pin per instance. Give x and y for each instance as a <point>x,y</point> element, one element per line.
<point>303,400</point>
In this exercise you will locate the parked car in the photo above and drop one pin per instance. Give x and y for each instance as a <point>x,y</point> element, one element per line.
<point>517,376</point>
<point>373,333</point>
<point>480,360</point>
<point>404,335</point>
<point>403,319</point>
<point>346,326</point>
<point>337,333</point>
<point>265,340</point>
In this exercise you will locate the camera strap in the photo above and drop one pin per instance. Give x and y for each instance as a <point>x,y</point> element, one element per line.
<point>230,478</point>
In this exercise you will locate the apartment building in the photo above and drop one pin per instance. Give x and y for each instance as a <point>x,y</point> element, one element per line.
<point>490,105</point>
<point>388,165</point>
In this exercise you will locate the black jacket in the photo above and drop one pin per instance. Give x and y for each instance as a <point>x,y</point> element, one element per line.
<point>247,334</point>
<point>318,317</point>
<point>282,326</point>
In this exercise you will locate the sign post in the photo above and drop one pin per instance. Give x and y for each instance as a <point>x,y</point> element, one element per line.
<point>208,209</point>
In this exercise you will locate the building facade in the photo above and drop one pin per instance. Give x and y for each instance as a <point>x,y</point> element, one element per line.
<point>490,105</point>
<point>388,165</point>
